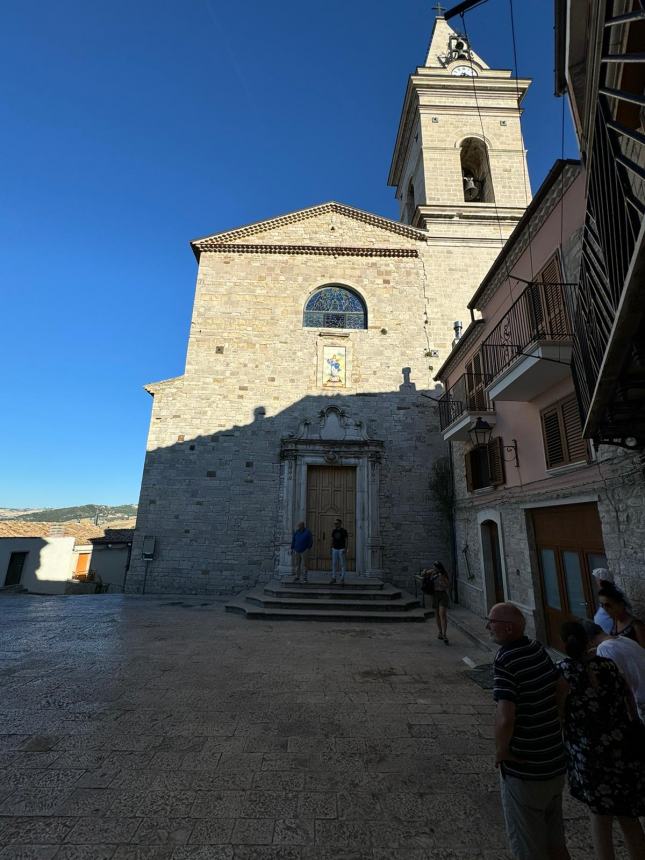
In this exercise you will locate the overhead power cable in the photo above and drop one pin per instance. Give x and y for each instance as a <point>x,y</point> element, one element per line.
<point>517,92</point>
<point>473,77</point>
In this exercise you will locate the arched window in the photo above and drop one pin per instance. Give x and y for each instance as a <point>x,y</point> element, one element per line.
<point>335,307</point>
<point>475,172</point>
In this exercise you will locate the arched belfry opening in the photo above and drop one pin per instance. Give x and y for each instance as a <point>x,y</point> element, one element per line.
<point>475,171</point>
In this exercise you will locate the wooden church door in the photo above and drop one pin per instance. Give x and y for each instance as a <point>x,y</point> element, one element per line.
<point>331,495</point>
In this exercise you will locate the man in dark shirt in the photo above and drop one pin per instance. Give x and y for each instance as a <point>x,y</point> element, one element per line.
<point>338,551</point>
<point>528,740</point>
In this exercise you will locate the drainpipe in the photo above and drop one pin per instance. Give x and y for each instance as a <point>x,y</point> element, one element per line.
<point>127,565</point>
<point>453,531</point>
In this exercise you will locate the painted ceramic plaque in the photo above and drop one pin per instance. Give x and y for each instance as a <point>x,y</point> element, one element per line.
<point>334,367</point>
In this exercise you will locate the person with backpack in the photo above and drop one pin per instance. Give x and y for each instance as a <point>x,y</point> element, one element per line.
<point>435,581</point>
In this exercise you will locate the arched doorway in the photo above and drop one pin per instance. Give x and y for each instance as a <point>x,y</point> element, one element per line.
<point>492,563</point>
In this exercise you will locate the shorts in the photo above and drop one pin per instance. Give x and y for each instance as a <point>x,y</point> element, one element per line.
<point>533,816</point>
<point>440,598</point>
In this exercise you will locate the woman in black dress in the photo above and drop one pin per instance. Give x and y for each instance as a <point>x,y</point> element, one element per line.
<point>604,745</point>
<point>440,579</point>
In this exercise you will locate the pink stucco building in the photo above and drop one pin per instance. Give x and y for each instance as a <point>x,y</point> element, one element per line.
<point>536,504</point>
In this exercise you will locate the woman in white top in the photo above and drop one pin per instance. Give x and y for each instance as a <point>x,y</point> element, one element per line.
<point>602,618</point>
<point>628,655</point>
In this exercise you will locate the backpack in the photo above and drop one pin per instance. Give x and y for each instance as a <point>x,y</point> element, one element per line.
<point>427,583</point>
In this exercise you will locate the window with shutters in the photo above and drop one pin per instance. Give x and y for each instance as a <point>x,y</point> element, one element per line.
<point>82,565</point>
<point>485,465</point>
<point>562,434</point>
<point>475,380</point>
<point>548,301</point>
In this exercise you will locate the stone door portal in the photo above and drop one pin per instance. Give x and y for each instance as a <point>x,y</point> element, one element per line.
<point>492,562</point>
<point>331,468</point>
<point>331,494</point>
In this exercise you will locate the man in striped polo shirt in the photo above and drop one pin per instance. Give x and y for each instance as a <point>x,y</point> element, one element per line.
<point>528,739</point>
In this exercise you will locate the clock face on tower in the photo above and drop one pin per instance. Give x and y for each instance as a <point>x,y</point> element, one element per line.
<point>464,72</point>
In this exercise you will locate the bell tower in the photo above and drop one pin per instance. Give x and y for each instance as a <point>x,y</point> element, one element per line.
<point>459,163</point>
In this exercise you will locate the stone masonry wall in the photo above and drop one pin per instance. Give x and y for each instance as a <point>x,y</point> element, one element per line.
<point>622,515</point>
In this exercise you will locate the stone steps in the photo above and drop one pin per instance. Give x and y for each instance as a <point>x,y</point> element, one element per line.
<point>323,580</point>
<point>317,600</point>
<point>320,592</point>
<point>335,601</point>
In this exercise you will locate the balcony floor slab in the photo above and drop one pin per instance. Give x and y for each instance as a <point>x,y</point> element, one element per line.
<point>541,367</point>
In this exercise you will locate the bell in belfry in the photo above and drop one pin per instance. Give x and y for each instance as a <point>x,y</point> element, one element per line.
<point>471,188</point>
<point>460,48</point>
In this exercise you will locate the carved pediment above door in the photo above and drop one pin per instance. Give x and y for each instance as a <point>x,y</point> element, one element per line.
<point>331,423</point>
<point>333,431</point>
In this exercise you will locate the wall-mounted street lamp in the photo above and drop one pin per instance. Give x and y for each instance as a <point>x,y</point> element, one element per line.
<point>481,434</point>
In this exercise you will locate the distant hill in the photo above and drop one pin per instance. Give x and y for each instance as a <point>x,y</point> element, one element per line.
<point>12,513</point>
<point>81,512</point>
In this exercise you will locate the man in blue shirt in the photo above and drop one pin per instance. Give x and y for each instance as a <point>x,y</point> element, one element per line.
<point>301,543</point>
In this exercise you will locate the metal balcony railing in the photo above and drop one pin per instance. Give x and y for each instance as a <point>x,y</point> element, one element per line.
<point>615,212</point>
<point>539,314</point>
<point>466,395</point>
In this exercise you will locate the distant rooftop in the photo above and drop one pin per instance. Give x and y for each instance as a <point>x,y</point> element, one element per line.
<point>120,531</point>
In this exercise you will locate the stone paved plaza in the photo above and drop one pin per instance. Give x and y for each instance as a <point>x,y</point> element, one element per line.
<point>165,728</point>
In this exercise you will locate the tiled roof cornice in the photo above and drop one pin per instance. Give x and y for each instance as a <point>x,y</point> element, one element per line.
<point>304,214</point>
<point>318,250</point>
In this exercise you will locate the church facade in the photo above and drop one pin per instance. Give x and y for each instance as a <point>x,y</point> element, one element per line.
<point>307,390</point>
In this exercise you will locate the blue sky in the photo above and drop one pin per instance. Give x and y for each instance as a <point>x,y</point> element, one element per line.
<point>131,128</point>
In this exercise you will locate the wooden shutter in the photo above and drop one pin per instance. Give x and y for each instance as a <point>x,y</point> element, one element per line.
<point>576,446</point>
<point>82,562</point>
<point>496,461</point>
<point>550,274</point>
<point>553,298</point>
<point>535,307</point>
<point>475,384</point>
<point>552,434</point>
<point>469,471</point>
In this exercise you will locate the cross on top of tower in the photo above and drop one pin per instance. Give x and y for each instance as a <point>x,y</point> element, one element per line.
<point>439,9</point>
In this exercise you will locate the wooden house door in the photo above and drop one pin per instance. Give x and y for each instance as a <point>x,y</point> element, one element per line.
<point>569,546</point>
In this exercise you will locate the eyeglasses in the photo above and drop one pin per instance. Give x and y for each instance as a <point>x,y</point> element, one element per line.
<point>495,621</point>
